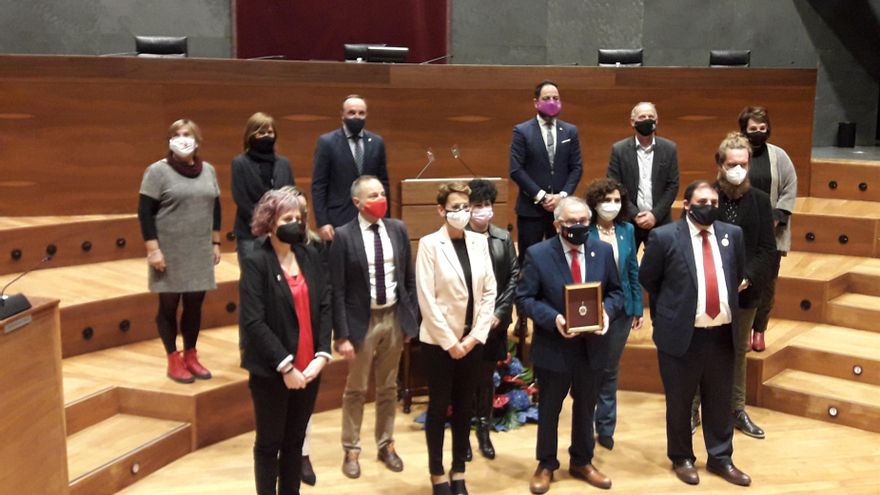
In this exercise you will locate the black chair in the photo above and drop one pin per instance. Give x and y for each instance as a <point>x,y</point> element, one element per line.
<point>620,57</point>
<point>730,58</point>
<point>161,46</point>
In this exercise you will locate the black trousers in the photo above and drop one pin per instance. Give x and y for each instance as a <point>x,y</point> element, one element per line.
<point>282,416</point>
<point>190,318</point>
<point>707,364</point>
<point>553,386</point>
<point>768,297</point>
<point>485,389</point>
<point>532,230</point>
<point>450,382</point>
<point>641,235</point>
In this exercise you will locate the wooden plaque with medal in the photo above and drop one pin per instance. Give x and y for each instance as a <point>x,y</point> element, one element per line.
<point>583,307</point>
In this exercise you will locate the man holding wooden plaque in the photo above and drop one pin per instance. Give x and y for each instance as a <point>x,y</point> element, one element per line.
<point>571,289</point>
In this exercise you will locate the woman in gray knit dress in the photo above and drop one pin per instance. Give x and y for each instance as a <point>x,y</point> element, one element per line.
<point>179,213</point>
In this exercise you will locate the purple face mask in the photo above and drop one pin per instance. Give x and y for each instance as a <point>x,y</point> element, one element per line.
<point>550,108</point>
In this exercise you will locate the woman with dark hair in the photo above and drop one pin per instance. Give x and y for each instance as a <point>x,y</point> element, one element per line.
<point>605,197</point>
<point>179,213</point>
<point>456,290</point>
<point>258,169</point>
<point>505,266</point>
<point>770,170</point>
<point>285,333</point>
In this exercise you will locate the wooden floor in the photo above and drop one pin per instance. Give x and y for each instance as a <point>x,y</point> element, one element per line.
<point>798,456</point>
<point>7,223</point>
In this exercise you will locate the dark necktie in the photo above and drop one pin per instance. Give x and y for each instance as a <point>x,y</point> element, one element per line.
<point>380,265</point>
<point>713,306</point>
<point>551,144</point>
<point>358,153</point>
<point>576,276</point>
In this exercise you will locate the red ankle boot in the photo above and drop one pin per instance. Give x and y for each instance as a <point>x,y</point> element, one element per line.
<point>191,360</point>
<point>177,370</point>
<point>758,342</point>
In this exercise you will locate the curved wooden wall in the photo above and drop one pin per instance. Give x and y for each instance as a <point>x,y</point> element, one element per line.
<point>77,132</point>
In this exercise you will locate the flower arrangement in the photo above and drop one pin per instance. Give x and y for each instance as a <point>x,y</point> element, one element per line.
<point>516,393</point>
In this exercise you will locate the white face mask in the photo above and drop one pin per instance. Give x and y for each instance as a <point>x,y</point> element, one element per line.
<point>182,146</point>
<point>458,219</point>
<point>608,211</point>
<point>736,175</point>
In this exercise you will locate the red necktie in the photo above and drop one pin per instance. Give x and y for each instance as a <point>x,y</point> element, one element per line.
<point>713,307</point>
<point>575,267</point>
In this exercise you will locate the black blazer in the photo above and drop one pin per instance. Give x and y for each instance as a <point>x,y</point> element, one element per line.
<point>530,165</point>
<point>541,295</point>
<point>506,267</point>
<point>268,327</point>
<point>351,281</point>
<point>755,217</point>
<point>334,171</point>
<point>669,274</point>
<point>248,188</point>
<point>623,165</point>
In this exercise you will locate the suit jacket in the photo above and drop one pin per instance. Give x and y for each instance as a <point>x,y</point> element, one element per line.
<point>248,188</point>
<point>268,326</point>
<point>334,171</point>
<point>505,266</point>
<point>755,217</point>
<point>669,274</point>
<point>628,267</point>
<point>541,295</point>
<point>351,281</point>
<point>530,165</point>
<point>442,292</point>
<point>623,165</point>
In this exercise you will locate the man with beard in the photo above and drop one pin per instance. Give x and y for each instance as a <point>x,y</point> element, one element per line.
<point>647,166</point>
<point>749,208</point>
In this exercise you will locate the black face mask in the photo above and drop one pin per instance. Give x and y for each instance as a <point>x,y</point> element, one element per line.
<point>703,214</point>
<point>265,145</point>
<point>576,234</point>
<point>355,126</point>
<point>757,139</point>
<point>646,127</point>
<point>292,233</point>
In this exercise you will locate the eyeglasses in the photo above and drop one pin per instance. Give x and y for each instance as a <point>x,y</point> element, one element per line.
<point>458,209</point>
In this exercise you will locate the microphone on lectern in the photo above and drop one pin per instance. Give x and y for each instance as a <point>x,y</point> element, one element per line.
<point>457,155</point>
<point>16,303</point>
<point>430,155</point>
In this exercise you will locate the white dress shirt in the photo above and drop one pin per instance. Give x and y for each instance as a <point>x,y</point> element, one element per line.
<point>724,316</point>
<point>645,199</point>
<point>567,247</point>
<point>388,253</point>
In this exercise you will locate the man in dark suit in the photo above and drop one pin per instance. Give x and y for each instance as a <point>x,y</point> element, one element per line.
<point>692,269</point>
<point>564,361</point>
<point>375,309</point>
<point>545,162</point>
<point>341,156</point>
<point>647,166</point>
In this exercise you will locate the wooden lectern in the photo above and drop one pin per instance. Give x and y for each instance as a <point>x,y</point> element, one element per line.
<point>33,451</point>
<point>418,200</point>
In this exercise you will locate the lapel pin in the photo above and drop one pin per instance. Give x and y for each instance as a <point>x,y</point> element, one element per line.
<point>725,242</point>
<point>278,277</point>
<point>592,254</point>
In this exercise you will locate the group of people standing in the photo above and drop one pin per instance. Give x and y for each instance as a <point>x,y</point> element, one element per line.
<point>352,286</point>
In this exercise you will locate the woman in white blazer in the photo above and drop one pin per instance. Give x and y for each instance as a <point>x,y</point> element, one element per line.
<point>456,290</point>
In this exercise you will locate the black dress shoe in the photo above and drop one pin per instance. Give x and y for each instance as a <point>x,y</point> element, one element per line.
<point>458,487</point>
<point>730,474</point>
<point>469,455</point>
<point>685,471</point>
<point>308,473</point>
<point>695,422</point>
<point>606,441</point>
<point>441,488</point>
<point>485,443</point>
<point>743,423</point>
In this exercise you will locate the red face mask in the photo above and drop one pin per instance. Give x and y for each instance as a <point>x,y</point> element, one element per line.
<point>377,207</point>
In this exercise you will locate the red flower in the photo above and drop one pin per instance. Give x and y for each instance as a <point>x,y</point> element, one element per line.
<point>500,400</point>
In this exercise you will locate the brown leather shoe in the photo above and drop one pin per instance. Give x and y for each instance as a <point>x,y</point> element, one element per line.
<point>389,456</point>
<point>540,482</point>
<point>591,475</point>
<point>686,472</point>
<point>350,465</point>
<point>730,474</point>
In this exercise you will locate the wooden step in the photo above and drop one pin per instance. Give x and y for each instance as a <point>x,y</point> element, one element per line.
<point>116,452</point>
<point>855,310</point>
<point>109,304</point>
<point>808,280</point>
<point>835,400</point>
<point>847,227</point>
<point>845,179</point>
<point>840,352</point>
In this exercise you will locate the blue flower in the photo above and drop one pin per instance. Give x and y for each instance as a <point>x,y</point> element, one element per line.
<point>496,379</point>
<point>519,400</point>
<point>515,367</point>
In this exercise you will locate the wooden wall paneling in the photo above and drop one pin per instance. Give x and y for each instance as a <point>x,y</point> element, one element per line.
<point>413,107</point>
<point>827,234</point>
<point>845,179</point>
